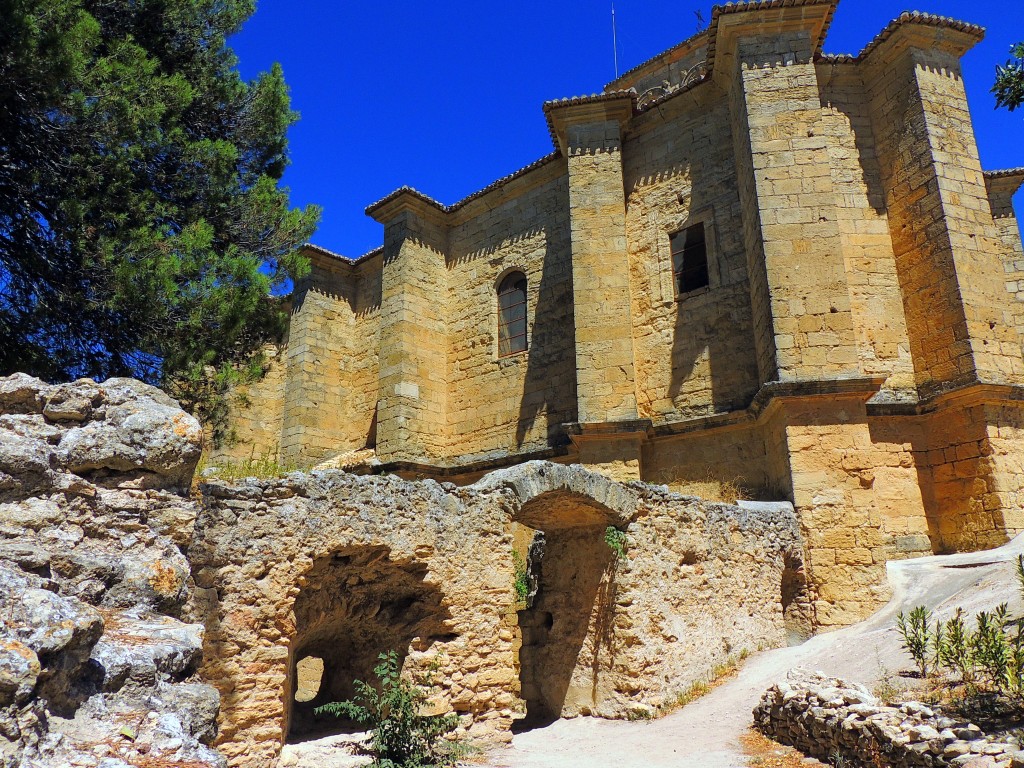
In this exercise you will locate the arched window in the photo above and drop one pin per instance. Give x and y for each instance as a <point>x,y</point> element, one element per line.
<point>512,314</point>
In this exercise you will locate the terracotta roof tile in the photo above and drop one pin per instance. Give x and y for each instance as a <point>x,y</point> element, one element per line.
<point>345,259</point>
<point>1004,173</point>
<point>916,17</point>
<point>550,106</point>
<point>464,201</point>
<point>760,5</point>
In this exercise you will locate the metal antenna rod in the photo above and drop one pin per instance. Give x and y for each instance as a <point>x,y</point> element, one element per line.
<point>615,45</point>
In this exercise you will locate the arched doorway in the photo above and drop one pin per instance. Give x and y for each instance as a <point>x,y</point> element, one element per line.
<point>354,606</point>
<point>566,621</point>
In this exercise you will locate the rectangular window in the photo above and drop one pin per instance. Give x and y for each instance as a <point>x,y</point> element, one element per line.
<point>512,314</point>
<point>690,259</point>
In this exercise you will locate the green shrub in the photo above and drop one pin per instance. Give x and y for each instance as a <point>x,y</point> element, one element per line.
<point>989,658</point>
<point>916,635</point>
<point>991,649</point>
<point>402,736</point>
<point>616,541</point>
<point>958,653</point>
<point>521,582</point>
<point>1020,574</point>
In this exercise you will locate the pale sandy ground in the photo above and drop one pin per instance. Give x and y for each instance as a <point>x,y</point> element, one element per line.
<point>706,733</point>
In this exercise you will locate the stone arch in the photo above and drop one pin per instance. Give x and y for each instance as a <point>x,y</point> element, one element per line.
<point>566,621</point>
<point>561,491</point>
<point>351,607</point>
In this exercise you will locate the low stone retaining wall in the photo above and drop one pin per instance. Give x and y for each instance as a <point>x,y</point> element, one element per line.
<point>834,720</point>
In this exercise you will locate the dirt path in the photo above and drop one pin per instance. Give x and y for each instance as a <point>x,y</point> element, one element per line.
<point>707,732</point>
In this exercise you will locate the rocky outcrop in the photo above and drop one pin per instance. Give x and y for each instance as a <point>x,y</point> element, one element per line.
<point>96,666</point>
<point>837,721</point>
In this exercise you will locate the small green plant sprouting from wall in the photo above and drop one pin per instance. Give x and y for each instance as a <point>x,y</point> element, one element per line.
<point>521,582</point>
<point>616,541</point>
<point>402,736</point>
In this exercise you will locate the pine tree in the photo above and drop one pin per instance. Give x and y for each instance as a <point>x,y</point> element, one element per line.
<point>142,228</point>
<point>1009,85</point>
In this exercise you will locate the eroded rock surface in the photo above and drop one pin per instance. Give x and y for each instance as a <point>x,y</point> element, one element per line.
<point>96,667</point>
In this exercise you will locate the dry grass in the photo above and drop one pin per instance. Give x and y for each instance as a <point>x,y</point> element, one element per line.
<point>762,752</point>
<point>264,467</point>
<point>718,675</point>
<point>710,489</point>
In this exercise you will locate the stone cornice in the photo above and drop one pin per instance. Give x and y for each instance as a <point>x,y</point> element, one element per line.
<point>599,107</point>
<point>861,387</point>
<point>318,251</point>
<point>1005,182</point>
<point>734,20</point>
<point>925,31</point>
<point>406,199</point>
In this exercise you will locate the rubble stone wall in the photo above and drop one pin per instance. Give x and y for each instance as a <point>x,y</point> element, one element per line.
<point>829,719</point>
<point>700,581</point>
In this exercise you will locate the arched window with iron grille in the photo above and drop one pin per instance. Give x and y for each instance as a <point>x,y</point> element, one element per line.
<point>512,314</point>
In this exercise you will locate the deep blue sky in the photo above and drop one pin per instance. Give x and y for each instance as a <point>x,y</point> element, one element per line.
<point>446,96</point>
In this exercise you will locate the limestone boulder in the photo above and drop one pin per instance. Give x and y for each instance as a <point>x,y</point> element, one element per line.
<point>19,671</point>
<point>93,516</point>
<point>137,434</point>
<point>25,465</point>
<point>48,623</point>
<point>21,393</point>
<point>141,650</point>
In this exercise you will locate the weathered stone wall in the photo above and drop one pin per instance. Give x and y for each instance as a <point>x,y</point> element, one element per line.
<point>257,414</point>
<point>694,354</point>
<point>829,718</point>
<point>862,269</point>
<point>795,204</point>
<point>883,346</point>
<point>700,581</point>
<point>319,396</point>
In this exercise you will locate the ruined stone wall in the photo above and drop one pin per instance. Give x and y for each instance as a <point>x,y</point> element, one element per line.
<point>694,354</point>
<point>516,403</point>
<point>841,722</point>
<point>700,581</point>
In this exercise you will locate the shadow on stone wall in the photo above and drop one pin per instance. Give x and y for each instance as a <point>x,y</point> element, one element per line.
<point>354,606</point>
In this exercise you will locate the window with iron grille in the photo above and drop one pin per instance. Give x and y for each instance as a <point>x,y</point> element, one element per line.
<point>690,259</point>
<point>512,314</point>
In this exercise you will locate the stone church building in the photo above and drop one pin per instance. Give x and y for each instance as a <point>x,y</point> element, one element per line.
<point>746,260</point>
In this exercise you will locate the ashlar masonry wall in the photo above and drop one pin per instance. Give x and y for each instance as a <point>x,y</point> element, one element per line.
<point>516,403</point>
<point>857,350</point>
